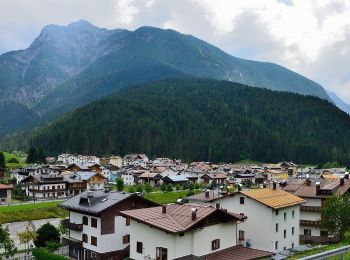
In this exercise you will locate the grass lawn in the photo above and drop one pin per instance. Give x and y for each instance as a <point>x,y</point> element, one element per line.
<point>27,212</point>
<point>9,156</point>
<point>168,197</point>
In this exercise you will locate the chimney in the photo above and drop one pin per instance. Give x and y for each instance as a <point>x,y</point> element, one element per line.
<point>217,205</point>
<point>341,181</point>
<point>163,209</point>
<point>207,193</point>
<point>318,188</point>
<point>194,213</point>
<point>346,176</point>
<point>274,185</point>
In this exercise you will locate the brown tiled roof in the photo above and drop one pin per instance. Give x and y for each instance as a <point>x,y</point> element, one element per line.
<point>309,191</point>
<point>178,218</point>
<point>234,253</point>
<point>148,175</point>
<point>273,198</point>
<point>5,187</point>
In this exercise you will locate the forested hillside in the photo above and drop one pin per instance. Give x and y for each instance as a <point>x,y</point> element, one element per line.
<point>203,120</point>
<point>69,66</point>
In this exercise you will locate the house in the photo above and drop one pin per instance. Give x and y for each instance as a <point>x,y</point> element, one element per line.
<point>273,217</point>
<point>75,185</point>
<point>315,193</point>
<point>84,167</point>
<point>219,178</point>
<point>188,231</point>
<point>116,161</point>
<point>45,186</point>
<point>93,180</point>
<point>153,178</point>
<point>135,160</point>
<point>5,193</point>
<point>174,180</point>
<point>97,231</point>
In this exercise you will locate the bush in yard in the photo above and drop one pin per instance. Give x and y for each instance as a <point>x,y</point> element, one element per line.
<point>197,186</point>
<point>148,188</point>
<point>47,233</point>
<point>163,187</point>
<point>169,188</point>
<point>139,188</point>
<point>120,184</point>
<point>177,187</point>
<point>191,186</point>
<point>43,254</point>
<point>131,189</point>
<point>190,193</point>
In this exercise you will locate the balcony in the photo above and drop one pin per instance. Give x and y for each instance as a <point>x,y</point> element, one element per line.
<point>45,191</point>
<point>309,223</point>
<point>310,209</point>
<point>318,239</point>
<point>72,226</point>
<point>72,242</point>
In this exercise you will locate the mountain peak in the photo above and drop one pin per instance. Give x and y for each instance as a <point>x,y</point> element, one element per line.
<point>81,24</point>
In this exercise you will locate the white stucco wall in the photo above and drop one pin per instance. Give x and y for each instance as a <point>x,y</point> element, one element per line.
<point>193,242</point>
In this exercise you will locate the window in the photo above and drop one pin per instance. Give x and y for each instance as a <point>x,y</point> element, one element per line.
<point>276,227</point>
<point>241,200</point>
<point>139,247</point>
<point>293,216</point>
<point>161,253</point>
<point>285,216</point>
<point>85,238</point>
<point>127,222</point>
<point>307,232</point>
<point>126,239</point>
<point>94,222</point>
<point>241,235</point>
<point>181,234</point>
<point>215,244</point>
<point>277,212</point>
<point>85,220</point>
<point>93,241</point>
<point>276,245</point>
<point>292,230</point>
<point>284,233</point>
<point>292,245</point>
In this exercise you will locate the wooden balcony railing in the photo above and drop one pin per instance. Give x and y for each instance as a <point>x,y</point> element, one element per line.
<point>72,226</point>
<point>309,223</point>
<point>310,208</point>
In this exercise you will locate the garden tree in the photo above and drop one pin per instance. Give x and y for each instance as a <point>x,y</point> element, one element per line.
<point>47,233</point>
<point>197,186</point>
<point>26,236</point>
<point>18,192</point>
<point>177,187</point>
<point>2,160</point>
<point>190,186</point>
<point>148,188</point>
<point>169,187</point>
<point>120,184</point>
<point>163,187</point>
<point>6,242</point>
<point>335,215</point>
<point>139,188</point>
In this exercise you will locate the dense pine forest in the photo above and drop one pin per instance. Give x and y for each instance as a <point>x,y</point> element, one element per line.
<point>203,119</point>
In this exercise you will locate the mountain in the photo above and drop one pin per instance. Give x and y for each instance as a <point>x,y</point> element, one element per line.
<point>339,102</point>
<point>69,66</point>
<point>202,119</point>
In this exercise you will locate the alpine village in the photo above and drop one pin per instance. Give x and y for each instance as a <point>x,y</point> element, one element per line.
<point>147,143</point>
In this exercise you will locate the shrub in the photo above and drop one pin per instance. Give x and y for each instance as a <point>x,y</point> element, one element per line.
<point>148,188</point>
<point>47,233</point>
<point>177,187</point>
<point>131,189</point>
<point>169,188</point>
<point>13,160</point>
<point>190,193</point>
<point>139,188</point>
<point>43,254</point>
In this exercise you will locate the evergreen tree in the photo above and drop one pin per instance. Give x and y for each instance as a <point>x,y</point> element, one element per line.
<point>2,161</point>
<point>47,233</point>
<point>120,184</point>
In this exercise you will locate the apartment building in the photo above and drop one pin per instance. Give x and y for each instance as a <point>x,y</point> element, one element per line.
<point>189,231</point>
<point>97,230</point>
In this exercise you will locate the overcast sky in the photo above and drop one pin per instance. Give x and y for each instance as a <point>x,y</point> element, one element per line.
<point>311,37</point>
